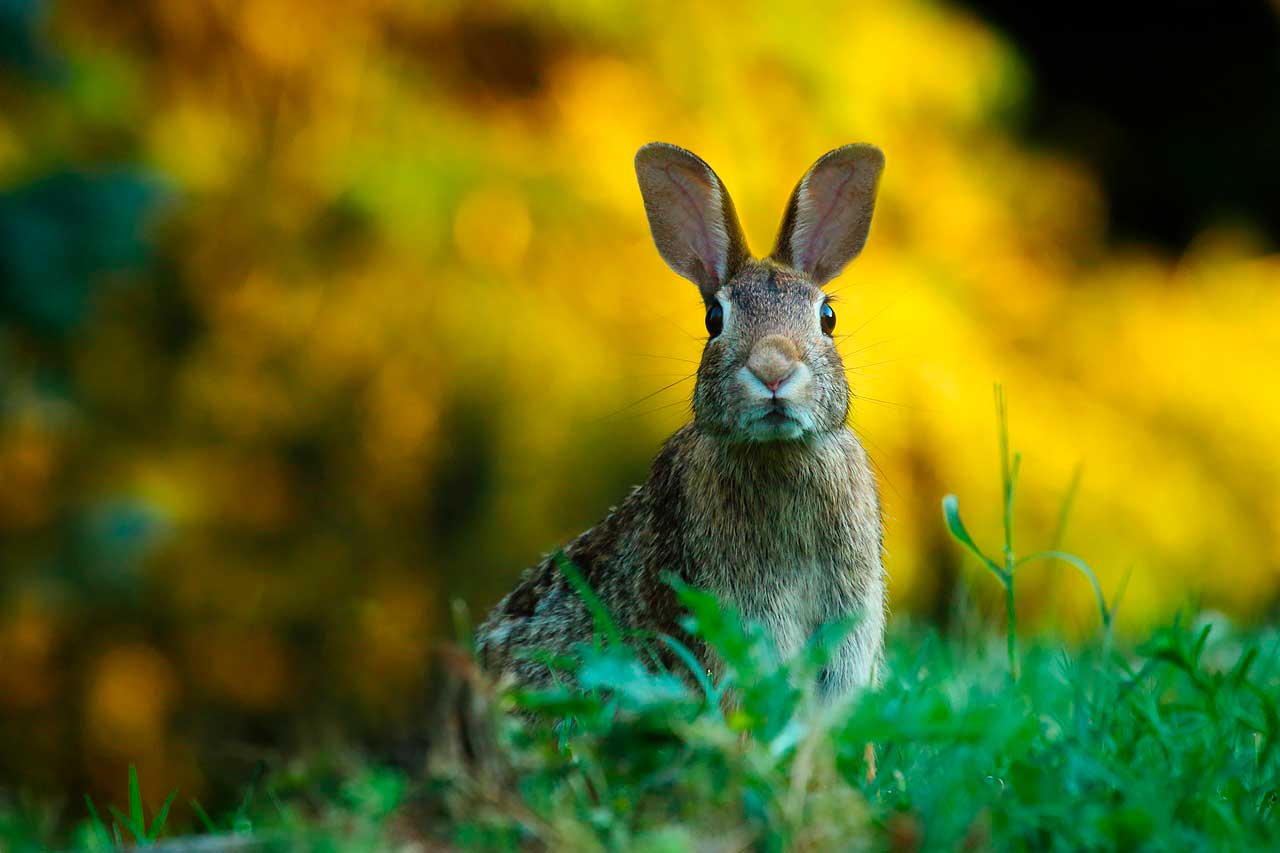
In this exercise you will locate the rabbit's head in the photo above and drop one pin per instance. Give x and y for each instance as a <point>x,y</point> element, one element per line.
<point>770,370</point>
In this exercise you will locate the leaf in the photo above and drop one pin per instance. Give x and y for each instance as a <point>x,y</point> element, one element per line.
<point>161,816</point>
<point>209,826</point>
<point>829,636</point>
<point>1201,640</point>
<point>241,822</point>
<point>690,660</point>
<point>1073,560</point>
<point>98,826</point>
<point>618,671</point>
<point>555,663</point>
<point>555,702</point>
<point>951,514</point>
<point>745,648</point>
<point>135,805</point>
<point>599,613</point>
<point>139,833</point>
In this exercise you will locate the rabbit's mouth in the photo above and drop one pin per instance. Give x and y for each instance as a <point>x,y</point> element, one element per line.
<point>777,423</point>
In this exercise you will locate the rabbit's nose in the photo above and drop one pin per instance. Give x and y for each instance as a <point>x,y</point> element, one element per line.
<point>773,360</point>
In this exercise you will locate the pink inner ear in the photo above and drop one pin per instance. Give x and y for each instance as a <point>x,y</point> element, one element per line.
<point>825,205</point>
<point>697,198</point>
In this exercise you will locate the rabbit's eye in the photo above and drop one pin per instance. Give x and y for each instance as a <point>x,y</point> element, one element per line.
<point>715,320</point>
<point>828,318</point>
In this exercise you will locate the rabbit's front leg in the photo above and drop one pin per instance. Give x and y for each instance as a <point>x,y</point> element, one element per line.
<point>856,666</point>
<point>856,663</point>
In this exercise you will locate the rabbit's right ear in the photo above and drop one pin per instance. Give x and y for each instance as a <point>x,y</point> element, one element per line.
<point>691,216</point>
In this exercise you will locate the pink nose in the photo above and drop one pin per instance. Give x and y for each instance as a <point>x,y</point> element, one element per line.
<point>775,384</point>
<point>773,360</point>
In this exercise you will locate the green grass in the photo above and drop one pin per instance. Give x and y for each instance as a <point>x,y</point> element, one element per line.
<point>134,823</point>
<point>981,741</point>
<point>1171,743</point>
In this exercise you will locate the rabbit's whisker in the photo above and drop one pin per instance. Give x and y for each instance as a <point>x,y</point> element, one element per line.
<point>663,357</point>
<point>659,409</point>
<point>872,318</point>
<point>874,363</point>
<point>654,375</point>
<point>869,346</point>
<point>666,387</point>
<point>883,402</point>
<point>863,437</point>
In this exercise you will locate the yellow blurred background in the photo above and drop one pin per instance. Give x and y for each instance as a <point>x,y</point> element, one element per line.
<point>397,328</point>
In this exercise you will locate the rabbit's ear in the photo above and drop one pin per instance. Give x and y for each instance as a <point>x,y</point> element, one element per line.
<point>691,216</point>
<point>829,213</point>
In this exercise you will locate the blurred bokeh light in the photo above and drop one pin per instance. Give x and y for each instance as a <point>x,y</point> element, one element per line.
<point>313,320</point>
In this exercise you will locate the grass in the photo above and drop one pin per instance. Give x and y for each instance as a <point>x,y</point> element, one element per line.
<point>1004,570</point>
<point>134,823</point>
<point>981,742</point>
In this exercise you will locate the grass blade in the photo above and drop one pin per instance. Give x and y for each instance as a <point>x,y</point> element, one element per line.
<point>241,822</point>
<point>135,803</point>
<point>139,833</point>
<point>688,658</point>
<point>99,827</point>
<point>1068,504</point>
<point>161,816</point>
<point>1080,564</point>
<point>203,816</point>
<point>599,613</point>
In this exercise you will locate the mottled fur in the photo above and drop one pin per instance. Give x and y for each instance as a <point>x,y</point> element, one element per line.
<point>766,499</point>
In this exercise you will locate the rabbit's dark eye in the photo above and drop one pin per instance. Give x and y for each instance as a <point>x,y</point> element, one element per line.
<point>715,320</point>
<point>828,318</point>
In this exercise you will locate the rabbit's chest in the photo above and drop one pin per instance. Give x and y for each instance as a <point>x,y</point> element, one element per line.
<point>792,584</point>
<point>793,542</point>
<point>792,602</point>
<point>792,565</point>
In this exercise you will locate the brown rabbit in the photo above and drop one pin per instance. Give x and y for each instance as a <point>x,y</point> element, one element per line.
<point>767,498</point>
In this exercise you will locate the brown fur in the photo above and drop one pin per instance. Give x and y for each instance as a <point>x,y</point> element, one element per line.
<point>766,499</point>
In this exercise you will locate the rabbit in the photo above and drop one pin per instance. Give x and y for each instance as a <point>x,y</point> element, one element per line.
<point>766,498</point>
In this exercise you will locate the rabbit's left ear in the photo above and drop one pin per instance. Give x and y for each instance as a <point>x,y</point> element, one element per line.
<point>829,213</point>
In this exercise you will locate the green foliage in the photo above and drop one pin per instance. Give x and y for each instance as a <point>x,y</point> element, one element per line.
<point>1004,569</point>
<point>97,836</point>
<point>1172,744</point>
